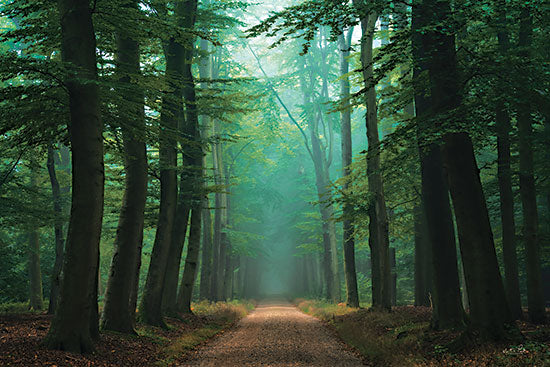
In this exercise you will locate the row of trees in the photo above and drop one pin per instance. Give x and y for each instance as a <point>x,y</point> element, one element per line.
<point>451,90</point>
<point>153,89</point>
<point>98,65</point>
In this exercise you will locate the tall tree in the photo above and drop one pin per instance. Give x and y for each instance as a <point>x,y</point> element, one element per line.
<point>58,232</point>
<point>378,217</point>
<point>192,158</point>
<point>535,296</point>
<point>489,313</point>
<point>70,327</point>
<point>33,250</point>
<point>118,312</point>
<point>352,294</point>
<point>171,110</point>
<point>503,127</point>
<point>448,312</point>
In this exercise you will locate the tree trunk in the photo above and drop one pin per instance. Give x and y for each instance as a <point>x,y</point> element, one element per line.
<point>228,272</point>
<point>189,273</point>
<point>422,259</point>
<point>378,218</point>
<point>206,260</point>
<point>535,296</point>
<point>352,295</point>
<point>118,315</point>
<point>489,314</point>
<point>193,170</point>
<point>448,312</point>
<point>205,72</point>
<point>503,128</point>
<point>217,276</point>
<point>36,301</point>
<point>181,220</point>
<point>58,231</point>
<point>70,327</point>
<point>151,303</point>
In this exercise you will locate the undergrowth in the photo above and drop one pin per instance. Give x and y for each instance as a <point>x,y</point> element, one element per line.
<point>403,338</point>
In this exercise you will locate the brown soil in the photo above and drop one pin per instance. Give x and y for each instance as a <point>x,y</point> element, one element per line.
<point>275,334</point>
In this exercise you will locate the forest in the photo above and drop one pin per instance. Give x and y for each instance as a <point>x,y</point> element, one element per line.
<point>249,183</point>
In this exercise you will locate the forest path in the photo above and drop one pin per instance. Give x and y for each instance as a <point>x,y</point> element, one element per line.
<point>275,334</point>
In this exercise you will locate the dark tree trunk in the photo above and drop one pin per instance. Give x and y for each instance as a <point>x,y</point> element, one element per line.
<point>423,267</point>
<point>206,260</point>
<point>535,296</point>
<point>70,327</point>
<point>190,270</point>
<point>118,314</point>
<point>192,158</point>
<point>448,311</point>
<point>205,67</point>
<point>489,313</point>
<point>503,128</point>
<point>151,303</point>
<point>352,294</point>
<point>378,217</point>
<point>36,301</point>
<point>216,253</point>
<point>58,231</point>
<point>181,220</point>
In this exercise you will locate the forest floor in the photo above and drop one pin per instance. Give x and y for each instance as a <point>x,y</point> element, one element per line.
<point>403,338</point>
<point>21,335</point>
<point>276,334</point>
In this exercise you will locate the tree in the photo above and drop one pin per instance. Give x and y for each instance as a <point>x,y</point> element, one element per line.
<point>448,312</point>
<point>503,127</point>
<point>118,312</point>
<point>58,233</point>
<point>378,218</point>
<point>489,312</point>
<point>535,297</point>
<point>171,110</point>
<point>352,294</point>
<point>70,327</point>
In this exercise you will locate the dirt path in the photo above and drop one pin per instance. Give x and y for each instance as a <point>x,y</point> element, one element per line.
<point>275,334</point>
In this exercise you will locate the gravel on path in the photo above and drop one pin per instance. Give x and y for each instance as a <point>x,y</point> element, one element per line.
<point>275,334</point>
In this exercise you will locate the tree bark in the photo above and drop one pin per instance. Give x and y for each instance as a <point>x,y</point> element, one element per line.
<point>378,218</point>
<point>70,327</point>
<point>151,303</point>
<point>36,301</point>
<point>535,295</point>
<point>448,312</point>
<point>205,72</point>
<point>118,314</point>
<point>58,232</point>
<point>503,128</point>
<point>489,313</point>
<point>217,275</point>
<point>352,294</point>
<point>423,267</point>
